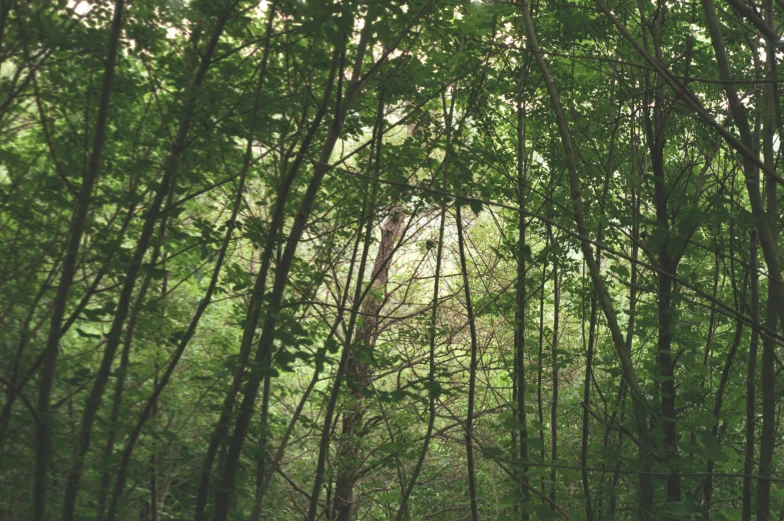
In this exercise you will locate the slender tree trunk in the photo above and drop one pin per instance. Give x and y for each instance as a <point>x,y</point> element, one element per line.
<point>154,457</point>
<point>770,122</point>
<point>270,469</point>
<point>469,426</point>
<point>226,484</point>
<point>613,503</point>
<point>621,400</point>
<point>627,366</point>
<point>708,482</point>
<point>751,383</point>
<point>667,374</point>
<point>76,231</point>
<point>767,434</point>
<point>554,404</point>
<point>593,334</point>
<point>171,170</point>
<point>431,370</point>
<point>359,375</point>
<point>253,315</point>
<point>540,357</point>
<point>592,338</point>
<point>327,427</point>
<point>523,252</point>
<point>668,265</point>
<point>154,493</point>
<point>119,389</point>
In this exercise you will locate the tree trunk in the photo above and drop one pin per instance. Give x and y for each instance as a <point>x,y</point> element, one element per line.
<point>554,404</point>
<point>76,231</point>
<point>751,383</point>
<point>469,426</point>
<point>540,357</point>
<point>771,120</point>
<point>523,251</point>
<point>359,374</point>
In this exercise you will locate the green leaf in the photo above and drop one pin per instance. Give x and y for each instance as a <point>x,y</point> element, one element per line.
<point>658,236</point>
<point>713,449</point>
<point>512,423</point>
<point>434,389</point>
<point>398,394</point>
<point>493,452</point>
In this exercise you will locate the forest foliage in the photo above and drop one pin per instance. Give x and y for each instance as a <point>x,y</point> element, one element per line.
<point>391,259</point>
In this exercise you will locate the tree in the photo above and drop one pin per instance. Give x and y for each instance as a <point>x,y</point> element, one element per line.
<point>427,259</point>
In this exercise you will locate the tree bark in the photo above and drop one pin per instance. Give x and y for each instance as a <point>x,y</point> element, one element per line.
<point>554,402</point>
<point>77,228</point>
<point>771,120</point>
<point>469,424</point>
<point>523,252</point>
<point>751,383</point>
<point>359,374</point>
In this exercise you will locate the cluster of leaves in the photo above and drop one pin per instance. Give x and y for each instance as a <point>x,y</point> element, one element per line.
<point>230,133</point>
